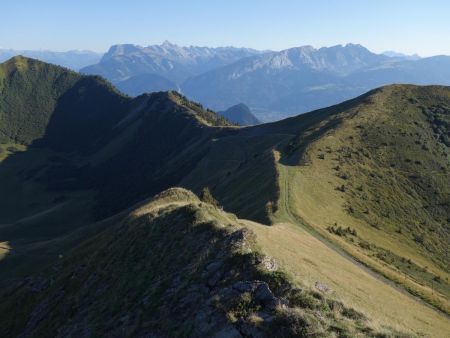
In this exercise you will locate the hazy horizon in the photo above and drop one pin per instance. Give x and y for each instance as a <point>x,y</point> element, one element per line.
<point>409,27</point>
<point>218,46</point>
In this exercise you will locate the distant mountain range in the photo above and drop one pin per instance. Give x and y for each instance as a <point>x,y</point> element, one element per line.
<point>297,80</point>
<point>273,84</point>
<point>176,63</point>
<point>74,59</point>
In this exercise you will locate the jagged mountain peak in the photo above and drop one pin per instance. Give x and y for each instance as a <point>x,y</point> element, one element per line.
<point>171,61</point>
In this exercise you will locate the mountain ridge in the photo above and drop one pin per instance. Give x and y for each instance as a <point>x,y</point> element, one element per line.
<point>361,174</point>
<point>226,288</point>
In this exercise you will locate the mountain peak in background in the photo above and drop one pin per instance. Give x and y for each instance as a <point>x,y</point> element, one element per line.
<point>240,114</point>
<point>296,80</point>
<point>175,63</point>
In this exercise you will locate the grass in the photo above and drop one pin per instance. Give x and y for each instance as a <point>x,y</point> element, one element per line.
<point>25,107</point>
<point>346,178</point>
<point>4,249</point>
<point>154,266</point>
<point>309,261</point>
<point>356,165</point>
<point>240,172</point>
<point>36,222</point>
<point>53,187</point>
<point>7,149</point>
<point>309,211</point>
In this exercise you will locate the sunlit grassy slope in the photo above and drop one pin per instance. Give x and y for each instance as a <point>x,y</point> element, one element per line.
<point>382,171</point>
<point>310,261</point>
<point>179,267</point>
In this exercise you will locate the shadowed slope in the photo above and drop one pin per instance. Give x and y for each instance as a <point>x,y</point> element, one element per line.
<point>58,107</point>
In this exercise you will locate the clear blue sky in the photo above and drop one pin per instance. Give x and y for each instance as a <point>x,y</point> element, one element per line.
<point>410,26</point>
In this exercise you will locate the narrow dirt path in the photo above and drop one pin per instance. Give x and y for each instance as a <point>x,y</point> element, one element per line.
<point>296,220</point>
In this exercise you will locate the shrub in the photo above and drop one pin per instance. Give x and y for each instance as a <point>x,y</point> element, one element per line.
<point>419,238</point>
<point>293,323</point>
<point>352,314</point>
<point>340,231</point>
<point>341,188</point>
<point>304,300</point>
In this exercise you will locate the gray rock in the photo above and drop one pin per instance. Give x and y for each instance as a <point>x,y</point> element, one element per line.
<point>268,263</point>
<point>244,286</point>
<point>263,293</point>
<point>321,287</point>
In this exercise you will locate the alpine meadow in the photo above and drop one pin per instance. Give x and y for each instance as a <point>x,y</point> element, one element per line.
<point>158,190</point>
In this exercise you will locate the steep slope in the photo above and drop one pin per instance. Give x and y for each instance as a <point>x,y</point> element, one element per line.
<point>68,141</point>
<point>151,274</point>
<point>168,60</point>
<point>357,175</point>
<point>59,109</point>
<point>164,141</point>
<point>374,179</point>
<point>240,114</point>
<point>63,179</point>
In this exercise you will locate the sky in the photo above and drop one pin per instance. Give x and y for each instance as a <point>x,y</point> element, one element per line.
<point>408,26</point>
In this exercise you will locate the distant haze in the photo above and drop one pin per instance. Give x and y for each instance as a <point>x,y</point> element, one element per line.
<point>273,85</point>
<point>408,27</point>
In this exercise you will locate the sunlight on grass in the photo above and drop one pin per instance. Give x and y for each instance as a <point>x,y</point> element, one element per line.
<point>5,248</point>
<point>309,261</point>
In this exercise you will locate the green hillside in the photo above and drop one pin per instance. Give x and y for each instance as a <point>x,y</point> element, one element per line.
<point>152,274</point>
<point>73,162</point>
<point>36,97</point>
<point>374,178</point>
<point>370,175</point>
<point>364,184</point>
